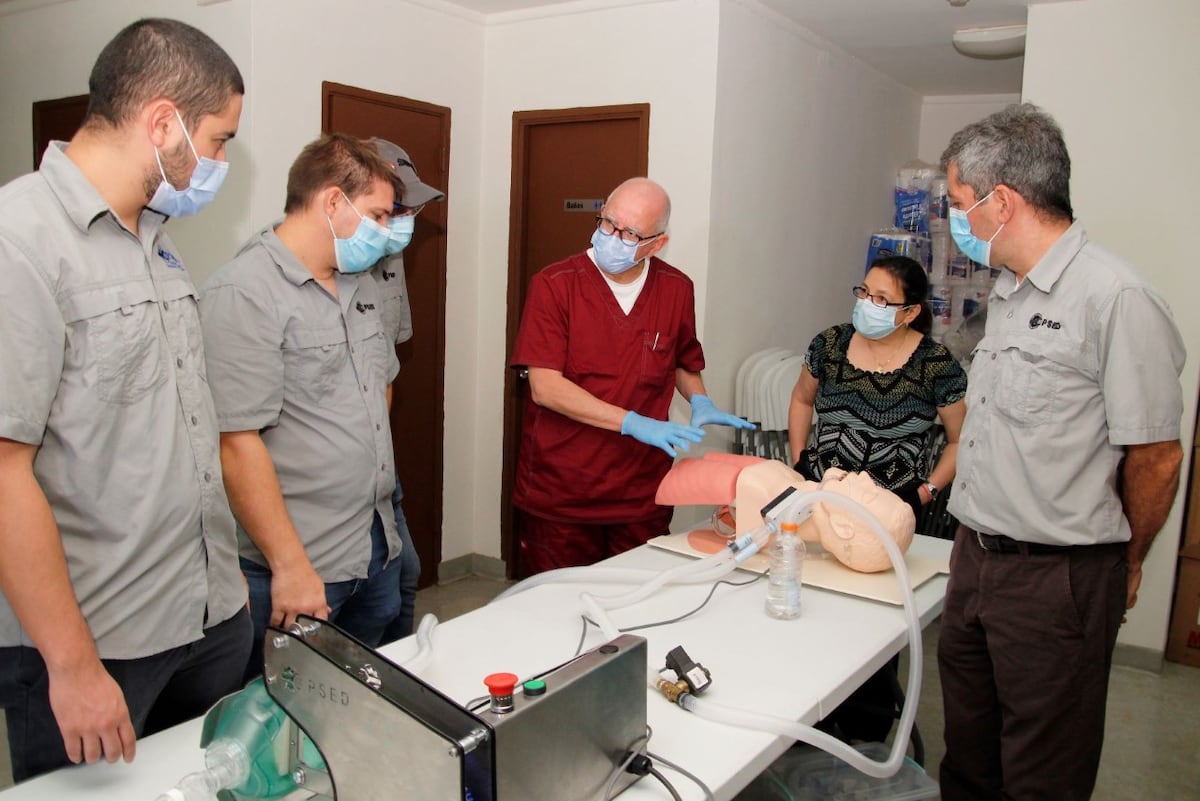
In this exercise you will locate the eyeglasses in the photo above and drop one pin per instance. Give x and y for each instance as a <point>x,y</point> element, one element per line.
<point>400,210</point>
<point>861,293</point>
<point>608,228</point>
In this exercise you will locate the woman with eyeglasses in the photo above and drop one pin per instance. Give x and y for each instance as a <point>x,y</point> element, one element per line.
<point>879,384</point>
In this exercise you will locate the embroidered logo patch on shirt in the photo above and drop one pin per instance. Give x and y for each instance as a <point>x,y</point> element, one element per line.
<point>1038,321</point>
<point>169,258</point>
<point>386,275</point>
<point>363,308</point>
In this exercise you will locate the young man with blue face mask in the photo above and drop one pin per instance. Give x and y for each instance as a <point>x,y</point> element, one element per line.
<point>123,611</point>
<point>299,369</point>
<point>397,324</point>
<point>1070,466</point>
<point>607,337</point>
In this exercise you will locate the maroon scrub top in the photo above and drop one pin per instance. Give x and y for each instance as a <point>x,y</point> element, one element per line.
<point>569,471</point>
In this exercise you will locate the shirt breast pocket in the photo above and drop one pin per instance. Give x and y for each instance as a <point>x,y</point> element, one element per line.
<point>1032,372</point>
<point>370,341</point>
<point>658,359</point>
<point>115,336</point>
<point>312,361</point>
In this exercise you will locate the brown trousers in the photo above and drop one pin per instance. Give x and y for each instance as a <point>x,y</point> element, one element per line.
<point>1024,656</point>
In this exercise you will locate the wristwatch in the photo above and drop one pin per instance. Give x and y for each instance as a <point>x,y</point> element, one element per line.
<point>931,488</point>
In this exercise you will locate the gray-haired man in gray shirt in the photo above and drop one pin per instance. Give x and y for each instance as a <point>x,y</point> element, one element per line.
<point>122,611</point>
<point>1067,467</point>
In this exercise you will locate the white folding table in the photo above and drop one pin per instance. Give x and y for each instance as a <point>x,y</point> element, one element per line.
<point>800,669</point>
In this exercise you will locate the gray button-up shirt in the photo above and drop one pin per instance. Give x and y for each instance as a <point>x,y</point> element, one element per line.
<point>309,372</point>
<point>1079,360</point>
<point>102,368</point>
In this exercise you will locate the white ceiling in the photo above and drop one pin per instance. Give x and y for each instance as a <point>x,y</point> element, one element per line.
<point>906,39</point>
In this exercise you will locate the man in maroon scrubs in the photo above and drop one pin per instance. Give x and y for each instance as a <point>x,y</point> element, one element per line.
<point>607,336</point>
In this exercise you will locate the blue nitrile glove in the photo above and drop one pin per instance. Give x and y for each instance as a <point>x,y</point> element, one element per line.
<point>705,413</point>
<point>660,433</point>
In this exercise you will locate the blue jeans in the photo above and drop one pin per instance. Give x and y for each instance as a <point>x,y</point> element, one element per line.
<point>410,575</point>
<point>362,608</point>
<point>160,691</point>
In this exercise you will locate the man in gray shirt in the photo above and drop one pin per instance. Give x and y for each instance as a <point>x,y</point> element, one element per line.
<point>122,611</point>
<point>397,324</point>
<point>299,368</point>
<point>1068,465</point>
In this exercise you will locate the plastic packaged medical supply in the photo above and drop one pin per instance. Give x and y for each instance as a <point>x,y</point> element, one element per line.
<point>783,577</point>
<point>939,204</point>
<point>896,242</point>
<point>939,265</point>
<point>941,302</point>
<point>912,196</point>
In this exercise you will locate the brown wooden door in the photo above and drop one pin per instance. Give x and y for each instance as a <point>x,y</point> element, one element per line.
<point>563,162</point>
<point>418,405</point>
<point>56,120</point>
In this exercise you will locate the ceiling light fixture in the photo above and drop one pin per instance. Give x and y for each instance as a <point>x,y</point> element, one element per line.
<point>1000,41</point>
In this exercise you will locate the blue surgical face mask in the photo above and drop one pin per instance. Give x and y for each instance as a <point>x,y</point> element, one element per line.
<point>972,247</point>
<point>873,322</point>
<point>364,247</point>
<point>612,255</point>
<point>400,231</point>
<point>201,189</point>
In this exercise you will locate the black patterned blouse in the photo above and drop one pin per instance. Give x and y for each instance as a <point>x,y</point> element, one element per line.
<point>878,422</point>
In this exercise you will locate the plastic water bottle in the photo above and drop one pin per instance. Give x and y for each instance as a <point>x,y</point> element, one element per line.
<point>783,578</point>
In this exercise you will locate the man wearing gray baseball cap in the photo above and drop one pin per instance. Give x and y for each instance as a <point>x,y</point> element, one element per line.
<point>397,323</point>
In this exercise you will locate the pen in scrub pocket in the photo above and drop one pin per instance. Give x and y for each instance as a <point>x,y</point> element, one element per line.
<point>655,345</point>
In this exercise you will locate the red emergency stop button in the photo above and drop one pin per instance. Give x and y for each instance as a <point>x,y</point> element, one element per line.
<point>500,686</point>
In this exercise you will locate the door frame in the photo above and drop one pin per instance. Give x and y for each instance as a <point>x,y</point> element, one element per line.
<point>523,124</point>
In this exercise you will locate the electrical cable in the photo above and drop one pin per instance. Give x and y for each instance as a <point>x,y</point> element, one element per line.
<point>663,781</point>
<point>708,794</point>
<point>582,634</point>
<point>635,749</point>
<point>712,590</point>
<point>703,604</point>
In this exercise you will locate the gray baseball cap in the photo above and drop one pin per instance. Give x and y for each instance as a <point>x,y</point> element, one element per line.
<point>416,193</point>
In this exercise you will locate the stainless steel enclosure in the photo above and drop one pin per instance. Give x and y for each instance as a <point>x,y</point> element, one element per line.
<point>385,735</point>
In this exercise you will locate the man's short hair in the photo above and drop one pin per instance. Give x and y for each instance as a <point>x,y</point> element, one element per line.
<point>1021,147</point>
<point>338,160</point>
<point>154,58</point>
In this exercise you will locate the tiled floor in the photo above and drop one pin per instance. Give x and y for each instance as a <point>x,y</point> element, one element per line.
<point>1152,741</point>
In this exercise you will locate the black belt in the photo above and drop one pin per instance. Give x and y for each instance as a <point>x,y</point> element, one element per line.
<point>1001,544</point>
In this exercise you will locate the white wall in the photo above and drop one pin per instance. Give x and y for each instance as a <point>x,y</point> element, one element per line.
<point>584,54</point>
<point>806,148</point>
<point>944,115</point>
<point>48,52</point>
<point>1123,95</point>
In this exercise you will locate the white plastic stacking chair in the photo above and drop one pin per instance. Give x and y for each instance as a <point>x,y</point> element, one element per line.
<point>745,441</point>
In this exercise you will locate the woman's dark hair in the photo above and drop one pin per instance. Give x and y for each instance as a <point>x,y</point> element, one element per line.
<point>915,285</point>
